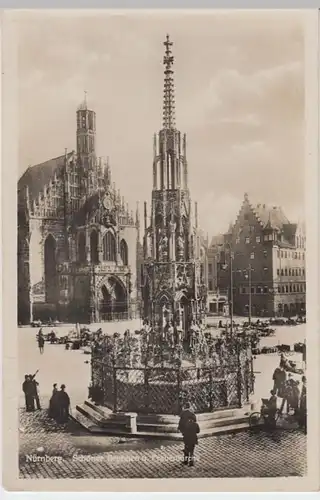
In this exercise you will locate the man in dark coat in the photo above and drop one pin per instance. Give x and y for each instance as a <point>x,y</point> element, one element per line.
<point>279,379</point>
<point>53,406</point>
<point>303,405</point>
<point>27,388</point>
<point>34,389</point>
<point>189,429</point>
<point>63,404</point>
<point>41,341</point>
<point>288,394</point>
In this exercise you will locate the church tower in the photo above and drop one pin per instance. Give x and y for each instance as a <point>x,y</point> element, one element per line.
<point>86,142</point>
<point>171,245</point>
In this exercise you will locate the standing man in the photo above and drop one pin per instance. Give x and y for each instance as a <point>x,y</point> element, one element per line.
<point>279,379</point>
<point>303,405</point>
<point>27,388</point>
<point>63,402</point>
<point>34,388</point>
<point>41,341</point>
<point>189,429</point>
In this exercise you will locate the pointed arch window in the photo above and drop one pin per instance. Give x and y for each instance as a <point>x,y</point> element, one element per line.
<point>109,247</point>
<point>94,247</point>
<point>124,252</point>
<point>82,248</point>
<point>50,269</point>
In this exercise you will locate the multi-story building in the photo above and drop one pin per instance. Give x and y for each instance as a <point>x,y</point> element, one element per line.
<point>217,299</point>
<point>265,253</point>
<point>78,243</point>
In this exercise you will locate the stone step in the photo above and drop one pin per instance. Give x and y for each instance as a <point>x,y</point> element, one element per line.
<point>226,429</point>
<point>113,420</point>
<point>204,426</point>
<point>103,410</point>
<point>87,424</point>
<point>204,417</point>
<point>92,425</point>
<point>89,413</point>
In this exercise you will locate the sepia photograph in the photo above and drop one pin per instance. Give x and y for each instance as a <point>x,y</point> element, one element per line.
<point>161,308</point>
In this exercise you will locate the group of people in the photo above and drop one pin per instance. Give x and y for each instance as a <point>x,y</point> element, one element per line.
<point>30,389</point>
<point>59,404</point>
<point>288,389</point>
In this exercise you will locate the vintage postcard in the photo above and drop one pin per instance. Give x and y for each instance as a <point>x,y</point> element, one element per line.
<point>159,251</point>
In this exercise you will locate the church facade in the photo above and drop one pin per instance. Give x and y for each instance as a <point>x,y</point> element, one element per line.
<point>173,282</point>
<point>78,243</point>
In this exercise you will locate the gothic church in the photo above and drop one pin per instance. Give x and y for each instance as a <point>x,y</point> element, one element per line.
<point>78,243</point>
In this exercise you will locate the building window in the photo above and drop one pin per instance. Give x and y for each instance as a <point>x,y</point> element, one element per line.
<point>247,240</point>
<point>252,255</point>
<point>282,253</point>
<point>237,241</point>
<point>210,268</point>
<point>278,272</point>
<point>265,238</point>
<point>302,272</point>
<point>258,239</point>
<point>287,289</point>
<point>94,254</point>
<point>109,247</point>
<point>281,272</point>
<point>210,285</point>
<point>243,290</point>
<point>124,252</point>
<point>253,290</point>
<point>265,253</point>
<point>82,248</point>
<point>289,271</point>
<point>265,269</point>
<point>270,237</point>
<point>286,272</point>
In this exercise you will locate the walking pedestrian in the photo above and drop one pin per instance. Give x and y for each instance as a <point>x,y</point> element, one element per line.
<point>41,341</point>
<point>63,402</point>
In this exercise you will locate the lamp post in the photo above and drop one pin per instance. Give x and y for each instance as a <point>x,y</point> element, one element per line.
<point>248,276</point>
<point>231,256</point>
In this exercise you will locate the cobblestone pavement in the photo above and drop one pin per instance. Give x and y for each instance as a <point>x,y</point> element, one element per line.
<point>245,454</point>
<point>51,451</point>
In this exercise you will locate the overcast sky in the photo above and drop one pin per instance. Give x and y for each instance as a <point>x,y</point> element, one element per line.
<point>239,97</point>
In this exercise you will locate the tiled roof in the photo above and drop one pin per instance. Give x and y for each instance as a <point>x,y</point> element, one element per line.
<point>272,217</point>
<point>38,176</point>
